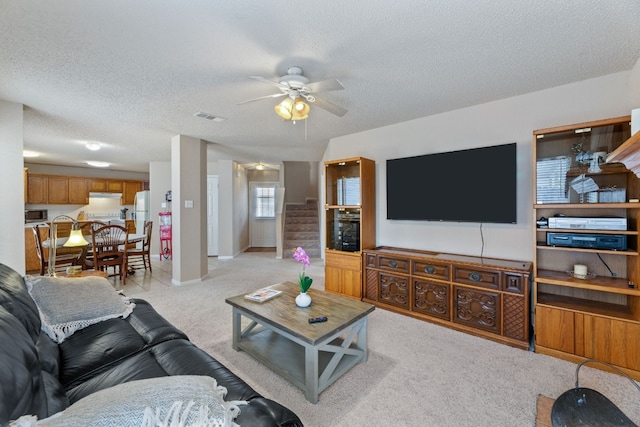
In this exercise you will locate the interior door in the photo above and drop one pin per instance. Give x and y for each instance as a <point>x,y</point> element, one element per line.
<point>212,215</point>
<point>262,214</point>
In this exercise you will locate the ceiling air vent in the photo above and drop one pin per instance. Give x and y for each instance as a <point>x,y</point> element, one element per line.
<point>209,117</point>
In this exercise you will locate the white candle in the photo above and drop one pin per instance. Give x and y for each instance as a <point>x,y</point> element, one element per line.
<point>580,271</point>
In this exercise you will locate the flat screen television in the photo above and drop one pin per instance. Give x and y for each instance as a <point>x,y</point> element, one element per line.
<point>474,185</point>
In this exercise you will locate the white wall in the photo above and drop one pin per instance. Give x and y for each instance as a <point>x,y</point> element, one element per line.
<point>634,92</point>
<point>300,181</point>
<point>12,251</point>
<point>233,205</point>
<point>508,120</point>
<point>189,209</point>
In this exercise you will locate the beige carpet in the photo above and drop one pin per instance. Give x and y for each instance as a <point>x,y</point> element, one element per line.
<point>418,374</point>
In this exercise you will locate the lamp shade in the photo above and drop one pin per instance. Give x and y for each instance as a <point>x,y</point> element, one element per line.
<point>284,109</point>
<point>300,110</point>
<point>293,109</point>
<point>75,239</point>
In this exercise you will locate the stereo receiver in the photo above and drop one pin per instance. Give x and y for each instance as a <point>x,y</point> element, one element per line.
<point>614,242</point>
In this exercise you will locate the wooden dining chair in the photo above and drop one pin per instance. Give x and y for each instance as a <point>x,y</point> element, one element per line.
<point>140,258</point>
<point>62,260</point>
<point>109,249</point>
<point>87,228</point>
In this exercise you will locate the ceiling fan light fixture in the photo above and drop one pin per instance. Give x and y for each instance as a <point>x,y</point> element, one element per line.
<point>293,109</point>
<point>285,108</point>
<point>300,110</point>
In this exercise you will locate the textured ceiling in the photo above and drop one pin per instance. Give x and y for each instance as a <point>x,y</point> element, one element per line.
<point>132,74</point>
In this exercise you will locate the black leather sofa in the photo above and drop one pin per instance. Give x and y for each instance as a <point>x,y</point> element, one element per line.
<point>41,377</point>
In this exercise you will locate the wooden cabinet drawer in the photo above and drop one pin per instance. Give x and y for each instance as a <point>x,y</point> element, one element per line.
<point>430,269</point>
<point>370,260</point>
<point>514,282</point>
<point>394,290</point>
<point>431,298</point>
<point>400,265</point>
<point>476,308</point>
<point>477,277</point>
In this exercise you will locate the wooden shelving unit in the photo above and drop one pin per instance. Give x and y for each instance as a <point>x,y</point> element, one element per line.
<point>350,222</point>
<point>599,316</point>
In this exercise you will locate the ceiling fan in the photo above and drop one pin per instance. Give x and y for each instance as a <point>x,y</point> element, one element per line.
<point>297,89</point>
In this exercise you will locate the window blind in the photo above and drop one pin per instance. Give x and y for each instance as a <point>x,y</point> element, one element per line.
<point>265,202</point>
<point>551,179</point>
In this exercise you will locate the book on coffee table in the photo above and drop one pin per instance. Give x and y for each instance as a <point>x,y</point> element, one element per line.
<point>263,294</point>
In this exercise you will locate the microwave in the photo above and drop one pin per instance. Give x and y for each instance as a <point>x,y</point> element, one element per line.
<point>36,215</point>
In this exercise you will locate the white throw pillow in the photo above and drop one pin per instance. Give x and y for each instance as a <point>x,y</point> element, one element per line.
<point>70,304</point>
<point>174,401</point>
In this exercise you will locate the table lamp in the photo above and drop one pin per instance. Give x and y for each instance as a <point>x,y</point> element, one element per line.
<point>76,239</point>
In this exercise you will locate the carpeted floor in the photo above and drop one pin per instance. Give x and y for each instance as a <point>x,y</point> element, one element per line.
<point>418,373</point>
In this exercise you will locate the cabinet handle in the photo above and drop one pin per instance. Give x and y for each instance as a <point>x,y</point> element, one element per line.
<point>430,269</point>
<point>393,263</point>
<point>475,276</point>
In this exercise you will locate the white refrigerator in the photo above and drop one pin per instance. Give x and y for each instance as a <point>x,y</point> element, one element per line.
<point>141,210</point>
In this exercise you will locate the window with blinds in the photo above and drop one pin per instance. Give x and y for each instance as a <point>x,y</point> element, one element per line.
<point>265,202</point>
<point>551,179</point>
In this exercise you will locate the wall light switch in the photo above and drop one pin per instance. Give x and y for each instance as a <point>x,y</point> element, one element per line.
<point>188,203</point>
<point>163,205</point>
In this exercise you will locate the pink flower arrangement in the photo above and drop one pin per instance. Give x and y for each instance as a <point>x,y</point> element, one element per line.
<point>304,281</point>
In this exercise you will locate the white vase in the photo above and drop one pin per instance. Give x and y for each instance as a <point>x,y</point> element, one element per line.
<point>303,300</point>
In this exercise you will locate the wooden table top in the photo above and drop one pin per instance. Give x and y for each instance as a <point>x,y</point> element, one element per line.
<point>84,273</point>
<point>283,312</point>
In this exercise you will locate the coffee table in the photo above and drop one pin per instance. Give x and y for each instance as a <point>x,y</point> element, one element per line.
<point>313,356</point>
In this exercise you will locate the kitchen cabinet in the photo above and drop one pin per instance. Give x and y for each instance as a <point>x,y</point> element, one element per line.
<point>74,190</point>
<point>130,188</point>
<point>25,177</point>
<point>37,189</point>
<point>31,255</point>
<point>58,190</point>
<point>130,224</point>
<point>596,315</point>
<point>78,191</point>
<point>350,222</point>
<point>104,185</point>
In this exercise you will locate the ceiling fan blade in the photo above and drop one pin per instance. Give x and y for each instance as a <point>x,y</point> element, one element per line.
<point>267,81</point>
<point>329,106</point>
<point>325,86</point>
<point>275,95</point>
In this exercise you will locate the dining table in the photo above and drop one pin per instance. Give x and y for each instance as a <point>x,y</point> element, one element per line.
<point>60,241</point>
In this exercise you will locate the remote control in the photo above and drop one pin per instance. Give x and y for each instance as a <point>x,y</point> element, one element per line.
<point>318,319</point>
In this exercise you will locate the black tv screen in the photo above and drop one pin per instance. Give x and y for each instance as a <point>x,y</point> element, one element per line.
<point>474,185</point>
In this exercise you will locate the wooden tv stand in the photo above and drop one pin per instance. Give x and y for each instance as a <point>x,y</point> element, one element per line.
<point>486,297</point>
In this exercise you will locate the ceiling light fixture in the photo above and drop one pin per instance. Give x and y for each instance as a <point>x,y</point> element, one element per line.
<point>260,166</point>
<point>27,153</point>
<point>98,164</point>
<point>93,146</point>
<point>293,109</point>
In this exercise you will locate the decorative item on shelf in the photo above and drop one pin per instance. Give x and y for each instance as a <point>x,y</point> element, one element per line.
<point>304,281</point>
<point>580,272</point>
<point>76,239</point>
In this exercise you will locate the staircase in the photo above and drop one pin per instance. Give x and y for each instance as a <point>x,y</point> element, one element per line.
<point>301,228</point>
